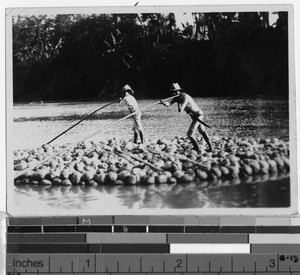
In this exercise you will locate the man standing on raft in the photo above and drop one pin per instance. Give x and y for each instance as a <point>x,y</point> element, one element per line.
<point>186,103</point>
<point>128,100</point>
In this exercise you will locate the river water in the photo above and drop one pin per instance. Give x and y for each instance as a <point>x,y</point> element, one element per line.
<point>37,124</point>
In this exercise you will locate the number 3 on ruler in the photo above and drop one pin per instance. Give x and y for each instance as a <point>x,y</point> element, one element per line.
<point>272,263</point>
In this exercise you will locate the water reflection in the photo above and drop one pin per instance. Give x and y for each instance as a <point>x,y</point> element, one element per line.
<point>274,192</point>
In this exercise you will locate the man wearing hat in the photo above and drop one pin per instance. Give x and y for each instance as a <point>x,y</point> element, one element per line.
<point>186,103</point>
<point>128,100</point>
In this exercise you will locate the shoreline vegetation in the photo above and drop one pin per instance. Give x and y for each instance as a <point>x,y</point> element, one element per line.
<point>81,57</point>
<point>162,161</point>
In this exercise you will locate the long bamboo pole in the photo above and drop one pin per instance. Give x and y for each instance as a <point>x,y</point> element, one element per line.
<point>82,120</point>
<point>93,134</point>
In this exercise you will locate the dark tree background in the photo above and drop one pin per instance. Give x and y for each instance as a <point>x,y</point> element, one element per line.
<point>79,57</point>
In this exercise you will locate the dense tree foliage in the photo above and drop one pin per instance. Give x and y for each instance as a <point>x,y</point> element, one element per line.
<point>78,57</point>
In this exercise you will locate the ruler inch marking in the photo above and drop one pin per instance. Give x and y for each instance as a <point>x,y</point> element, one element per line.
<point>95,263</point>
<point>186,263</point>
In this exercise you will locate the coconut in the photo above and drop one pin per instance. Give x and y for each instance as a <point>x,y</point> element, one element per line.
<point>103,165</point>
<point>246,170</point>
<point>168,174</point>
<point>162,179</point>
<point>233,171</point>
<point>66,182</point>
<point>119,182</point>
<point>21,166</point>
<point>45,182</point>
<point>75,177</point>
<point>123,175</point>
<point>212,177</point>
<point>39,175</point>
<point>53,173</point>
<point>272,166</point>
<point>178,174</point>
<point>201,175</point>
<point>132,179</point>
<point>187,178</point>
<point>129,146</point>
<point>79,166</point>
<point>67,157</point>
<point>264,167</point>
<point>149,180</point>
<point>172,180</point>
<point>18,182</point>
<point>280,163</point>
<point>286,162</point>
<point>111,177</point>
<point>100,178</point>
<point>191,172</point>
<point>87,176</point>
<point>224,170</point>
<point>92,183</point>
<point>255,166</point>
<point>56,181</point>
<point>65,173</point>
<point>216,171</point>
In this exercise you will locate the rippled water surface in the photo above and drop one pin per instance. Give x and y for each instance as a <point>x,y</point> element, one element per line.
<point>37,124</point>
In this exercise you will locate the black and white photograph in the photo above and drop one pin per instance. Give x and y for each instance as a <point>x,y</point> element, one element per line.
<point>151,110</point>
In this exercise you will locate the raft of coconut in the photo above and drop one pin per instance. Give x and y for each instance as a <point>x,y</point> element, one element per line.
<point>119,162</point>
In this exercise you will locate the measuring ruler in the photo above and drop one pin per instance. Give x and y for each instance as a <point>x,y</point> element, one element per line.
<point>153,245</point>
<point>154,263</point>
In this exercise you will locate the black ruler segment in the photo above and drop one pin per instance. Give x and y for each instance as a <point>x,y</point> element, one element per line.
<point>85,248</point>
<point>24,229</point>
<point>59,228</point>
<point>129,228</point>
<point>202,229</point>
<point>45,238</point>
<point>273,229</point>
<point>166,229</point>
<point>155,229</point>
<point>238,229</point>
<point>295,229</point>
<point>93,228</point>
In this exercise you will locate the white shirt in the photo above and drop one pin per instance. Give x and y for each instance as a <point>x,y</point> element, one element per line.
<point>130,102</point>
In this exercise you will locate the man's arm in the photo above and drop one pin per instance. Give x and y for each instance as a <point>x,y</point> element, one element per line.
<point>169,103</point>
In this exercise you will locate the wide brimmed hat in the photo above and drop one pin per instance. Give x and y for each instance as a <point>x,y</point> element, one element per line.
<point>127,88</point>
<point>175,87</point>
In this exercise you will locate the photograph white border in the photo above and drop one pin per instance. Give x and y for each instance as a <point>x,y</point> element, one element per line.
<point>207,8</point>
